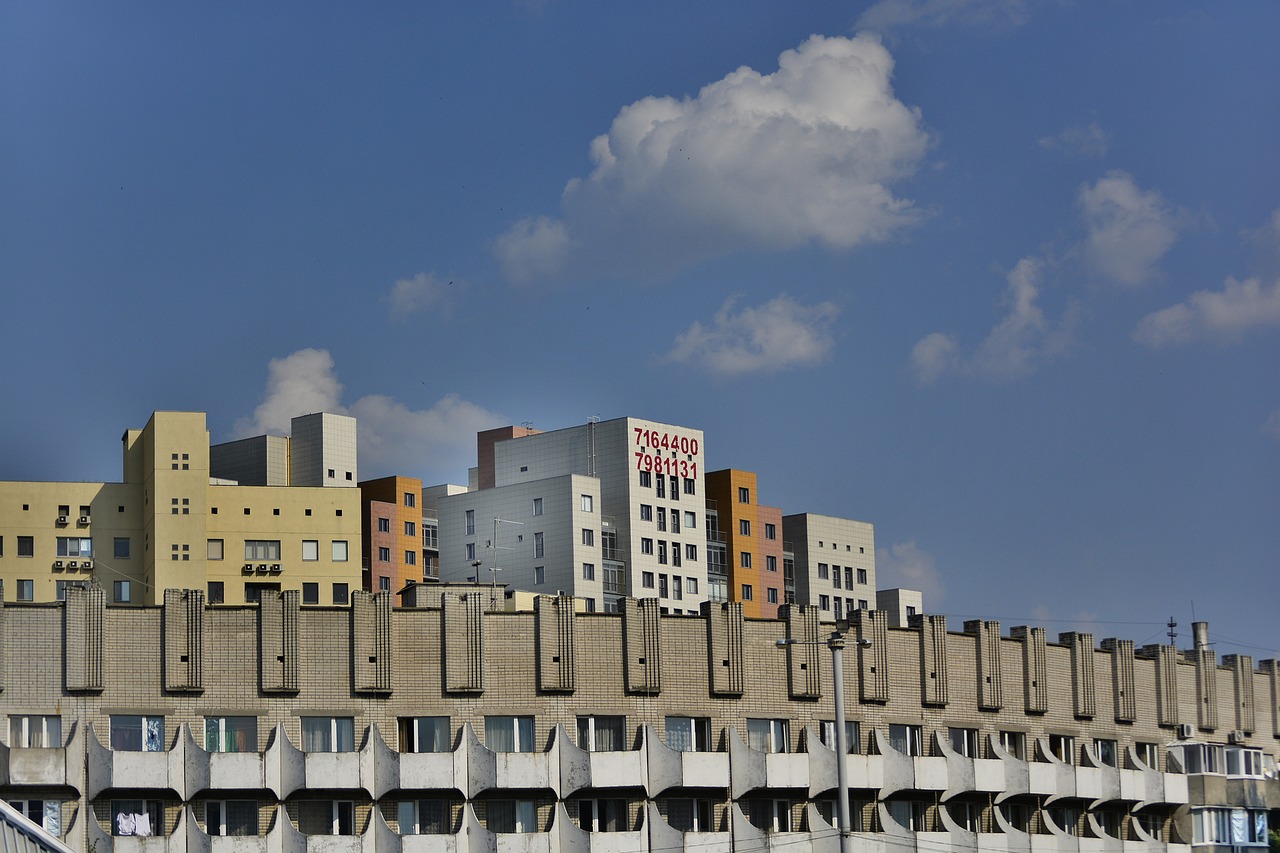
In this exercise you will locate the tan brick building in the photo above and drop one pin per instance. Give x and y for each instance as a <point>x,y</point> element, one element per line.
<point>438,726</point>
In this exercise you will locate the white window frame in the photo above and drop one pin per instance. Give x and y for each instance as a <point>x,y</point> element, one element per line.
<point>697,731</point>
<point>771,735</point>
<point>588,503</point>
<point>218,725</point>
<point>340,550</point>
<point>47,814</point>
<point>35,731</point>
<point>523,736</point>
<point>907,739</point>
<point>221,807</point>
<point>310,550</point>
<point>337,726</point>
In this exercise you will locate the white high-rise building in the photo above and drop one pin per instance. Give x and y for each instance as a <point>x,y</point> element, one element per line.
<point>601,511</point>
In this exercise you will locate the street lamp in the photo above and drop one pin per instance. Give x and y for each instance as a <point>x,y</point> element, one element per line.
<point>836,643</point>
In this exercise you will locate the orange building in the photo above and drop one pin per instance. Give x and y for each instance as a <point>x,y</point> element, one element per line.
<point>753,542</point>
<point>391,522</point>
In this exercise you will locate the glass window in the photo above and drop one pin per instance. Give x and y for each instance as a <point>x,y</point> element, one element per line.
<point>410,528</point>
<point>906,739</point>
<point>137,817</point>
<point>689,734</point>
<point>384,554</point>
<point>602,733</point>
<point>425,734</point>
<point>1063,748</point>
<point>214,551</point>
<point>744,527</point>
<point>646,512</point>
<point>744,559</point>
<point>765,735</point>
<point>770,531</point>
<point>136,733</point>
<point>588,503</point>
<point>43,813</point>
<point>328,734</point>
<point>539,545</point>
<point>384,525</point>
<point>744,495</point>
<point>26,546</point>
<point>231,734</point>
<point>588,571</point>
<point>690,486</point>
<point>231,817</point>
<point>310,592</point>
<point>341,595</point>
<point>310,549</point>
<point>1105,750</point>
<point>471,522</point>
<point>852,735</point>
<point>1014,743</point>
<point>35,731</point>
<point>747,592</point>
<point>602,815</point>
<point>339,550</point>
<point>964,741</point>
<point>511,816</point>
<point>27,590</point>
<point>262,549</point>
<point>217,592</point>
<point>588,537</point>
<point>327,817</point>
<point>424,817</point>
<point>121,548</point>
<point>508,733</point>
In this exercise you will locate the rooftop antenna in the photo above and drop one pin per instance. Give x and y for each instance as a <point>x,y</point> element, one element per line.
<point>1173,633</point>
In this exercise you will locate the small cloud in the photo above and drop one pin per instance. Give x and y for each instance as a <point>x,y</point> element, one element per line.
<point>435,443</point>
<point>887,15</point>
<point>777,335</point>
<point>906,565</point>
<point>1014,348</point>
<point>1088,141</point>
<point>1272,426</point>
<point>1224,315</point>
<point>1130,230</point>
<point>1042,613</point>
<point>807,154</point>
<point>412,295</point>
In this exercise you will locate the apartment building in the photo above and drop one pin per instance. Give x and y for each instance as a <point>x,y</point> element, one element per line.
<point>599,511</point>
<point>394,532</point>
<point>176,520</point>
<point>835,563</point>
<point>446,725</point>
<point>752,540</point>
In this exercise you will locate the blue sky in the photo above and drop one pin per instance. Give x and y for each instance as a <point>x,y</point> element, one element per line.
<point>1001,277</point>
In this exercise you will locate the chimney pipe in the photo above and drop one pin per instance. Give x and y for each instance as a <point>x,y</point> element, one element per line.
<point>1200,633</point>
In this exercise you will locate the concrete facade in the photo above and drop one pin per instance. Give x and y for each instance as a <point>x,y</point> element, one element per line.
<point>835,562</point>
<point>444,725</point>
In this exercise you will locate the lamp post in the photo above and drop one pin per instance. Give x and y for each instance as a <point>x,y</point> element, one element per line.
<point>836,643</point>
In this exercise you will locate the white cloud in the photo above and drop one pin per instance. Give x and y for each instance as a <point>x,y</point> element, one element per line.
<point>437,443</point>
<point>891,14</point>
<point>1213,315</point>
<point>807,154</point>
<point>1014,348</point>
<point>906,565</point>
<point>1272,426</point>
<point>777,335</point>
<point>1088,141</point>
<point>1129,230</point>
<point>411,295</point>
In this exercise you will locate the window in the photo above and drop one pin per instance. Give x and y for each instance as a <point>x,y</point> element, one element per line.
<point>824,602</point>
<point>835,576</point>
<point>46,814</point>
<point>217,592</point>
<point>862,576</point>
<point>646,580</point>
<point>384,555</point>
<point>770,531</point>
<point>588,571</point>
<point>675,553</point>
<point>430,535</point>
<point>771,563</point>
<point>588,503</point>
<point>602,733</point>
<point>262,549</point>
<point>744,495</point>
<point>71,546</point>
<point>744,559</point>
<point>508,734</point>
<point>1062,747</point>
<point>677,583</point>
<point>384,525</point>
<point>310,592</point>
<point>1224,827</point>
<point>424,817</point>
<point>690,486</point>
<point>121,591</point>
<point>691,586</point>
<point>26,546</point>
<point>1148,754</point>
<point>646,479</point>
<point>231,817</point>
<point>852,735</point>
<point>231,734</point>
<point>848,577</point>
<point>646,546</point>
<point>471,552</point>
<point>1105,750</point>
<point>328,734</point>
<point>130,733</point>
<point>964,741</point>
<point>765,735</point>
<point>471,522</point>
<point>340,594</point>
<point>539,549</point>
<point>770,815</point>
<point>339,548</point>
<point>662,487</point>
<point>411,558</point>
<point>863,604</point>
<point>662,519</point>
<point>588,537</point>
<point>425,734</point>
<point>646,512</point>
<point>511,816</point>
<point>771,595</point>
<point>327,817</point>
<point>539,575</point>
<point>602,815</point>
<point>121,548</point>
<point>410,499</point>
<point>675,521</point>
<point>27,590</point>
<point>822,571</point>
<point>1244,762</point>
<point>384,582</point>
<point>35,731</point>
<point>1065,818</point>
<point>675,488</point>
<point>137,817</point>
<point>662,551</point>
<point>310,550</point>
<point>690,552</point>
<point>662,586</point>
<point>689,734</point>
<point>909,814</point>
<point>410,528</point>
<point>906,739</point>
<point>213,550</point>
<point>911,610</point>
<point>744,527</point>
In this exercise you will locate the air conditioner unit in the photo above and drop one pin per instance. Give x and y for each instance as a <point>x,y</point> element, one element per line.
<point>62,519</point>
<point>275,568</point>
<point>57,564</point>
<point>86,564</point>
<point>1185,731</point>
<point>84,519</point>
<point>248,569</point>
<point>262,567</point>
<point>1236,737</point>
<point>71,565</point>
